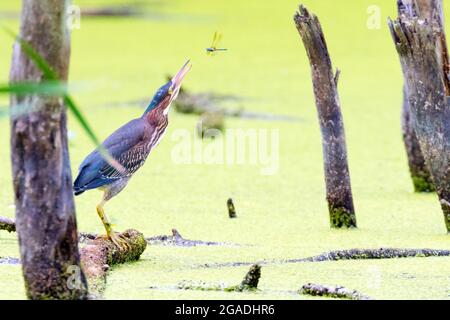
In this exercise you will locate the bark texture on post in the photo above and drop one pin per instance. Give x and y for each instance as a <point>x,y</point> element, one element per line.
<point>337,177</point>
<point>42,181</point>
<point>420,174</point>
<point>423,54</point>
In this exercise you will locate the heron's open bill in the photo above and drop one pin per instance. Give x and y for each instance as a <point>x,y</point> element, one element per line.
<point>129,146</point>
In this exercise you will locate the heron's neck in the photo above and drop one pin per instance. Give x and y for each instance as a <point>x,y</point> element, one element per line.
<point>157,115</point>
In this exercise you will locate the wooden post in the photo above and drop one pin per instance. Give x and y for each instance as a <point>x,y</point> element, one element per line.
<point>421,45</point>
<point>42,180</point>
<point>420,174</point>
<point>337,177</point>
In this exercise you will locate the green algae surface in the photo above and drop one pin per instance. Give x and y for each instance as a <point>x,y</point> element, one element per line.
<point>279,216</point>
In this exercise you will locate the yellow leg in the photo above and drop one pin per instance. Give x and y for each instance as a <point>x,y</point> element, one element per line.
<point>120,242</point>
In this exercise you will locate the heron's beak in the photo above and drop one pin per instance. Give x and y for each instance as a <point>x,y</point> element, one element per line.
<point>178,78</point>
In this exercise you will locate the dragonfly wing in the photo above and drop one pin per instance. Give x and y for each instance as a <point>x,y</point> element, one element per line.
<point>214,42</point>
<point>219,38</point>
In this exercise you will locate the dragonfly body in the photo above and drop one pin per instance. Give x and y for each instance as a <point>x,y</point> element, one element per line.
<point>214,46</point>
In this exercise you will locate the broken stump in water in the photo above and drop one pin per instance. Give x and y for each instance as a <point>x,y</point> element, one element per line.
<point>231,209</point>
<point>250,282</point>
<point>210,124</point>
<point>337,176</point>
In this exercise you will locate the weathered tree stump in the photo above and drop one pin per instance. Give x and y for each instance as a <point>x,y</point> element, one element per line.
<point>337,176</point>
<point>231,209</point>
<point>423,55</point>
<point>42,180</point>
<point>420,174</point>
<point>100,254</point>
<point>250,281</point>
<point>210,124</point>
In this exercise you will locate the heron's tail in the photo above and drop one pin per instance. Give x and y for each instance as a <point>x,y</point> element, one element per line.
<point>78,191</point>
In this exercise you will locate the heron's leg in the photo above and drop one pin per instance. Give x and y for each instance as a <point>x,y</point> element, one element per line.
<point>103,217</point>
<point>117,239</point>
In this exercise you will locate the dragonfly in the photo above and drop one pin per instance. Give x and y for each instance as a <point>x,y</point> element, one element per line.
<point>213,49</point>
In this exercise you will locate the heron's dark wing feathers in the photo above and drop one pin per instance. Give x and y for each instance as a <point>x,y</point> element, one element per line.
<point>127,146</point>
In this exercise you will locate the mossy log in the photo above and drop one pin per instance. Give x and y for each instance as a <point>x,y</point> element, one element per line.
<point>98,255</point>
<point>7,224</point>
<point>421,45</point>
<point>331,292</point>
<point>337,176</point>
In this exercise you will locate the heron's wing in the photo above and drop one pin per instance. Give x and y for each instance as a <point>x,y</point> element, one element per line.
<point>126,146</point>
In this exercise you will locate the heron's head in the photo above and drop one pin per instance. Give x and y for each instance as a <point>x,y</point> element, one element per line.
<point>169,92</point>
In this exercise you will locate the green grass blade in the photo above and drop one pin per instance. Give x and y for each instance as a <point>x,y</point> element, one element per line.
<point>50,74</point>
<point>81,119</point>
<point>32,54</point>
<point>47,88</point>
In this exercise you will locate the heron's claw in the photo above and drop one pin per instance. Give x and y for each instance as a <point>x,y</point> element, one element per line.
<point>119,240</point>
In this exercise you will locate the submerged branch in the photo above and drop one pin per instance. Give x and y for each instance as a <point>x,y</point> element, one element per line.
<point>352,254</point>
<point>177,240</point>
<point>7,224</point>
<point>332,292</point>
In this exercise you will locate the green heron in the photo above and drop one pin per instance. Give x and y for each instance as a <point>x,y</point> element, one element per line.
<point>128,148</point>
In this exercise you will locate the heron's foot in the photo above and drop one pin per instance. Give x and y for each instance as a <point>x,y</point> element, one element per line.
<point>119,240</point>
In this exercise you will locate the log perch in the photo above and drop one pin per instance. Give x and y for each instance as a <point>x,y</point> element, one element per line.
<point>100,254</point>
<point>332,292</point>
<point>337,176</point>
<point>421,45</point>
<point>7,224</point>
